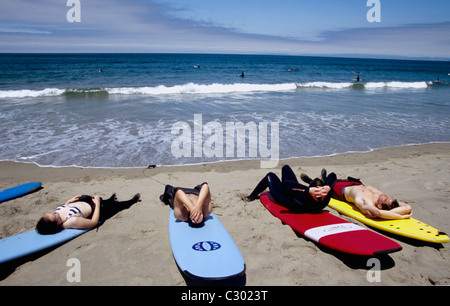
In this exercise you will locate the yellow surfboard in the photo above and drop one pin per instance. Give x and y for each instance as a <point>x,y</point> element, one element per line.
<point>410,228</point>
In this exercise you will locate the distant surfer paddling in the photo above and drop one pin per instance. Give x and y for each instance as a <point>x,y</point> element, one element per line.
<point>242,75</point>
<point>370,200</point>
<point>293,195</point>
<point>191,205</point>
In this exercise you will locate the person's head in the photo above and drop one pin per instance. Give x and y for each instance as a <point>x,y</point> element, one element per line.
<point>317,182</point>
<point>49,224</point>
<point>385,202</point>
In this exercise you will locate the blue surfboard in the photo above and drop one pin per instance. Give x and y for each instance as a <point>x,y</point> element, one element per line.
<point>17,191</point>
<point>207,252</point>
<point>30,242</point>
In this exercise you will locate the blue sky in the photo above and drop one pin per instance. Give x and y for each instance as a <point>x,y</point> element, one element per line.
<point>408,28</point>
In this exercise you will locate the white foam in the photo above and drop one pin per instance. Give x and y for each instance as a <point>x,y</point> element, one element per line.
<point>375,85</point>
<point>330,85</point>
<point>192,88</point>
<point>214,88</point>
<point>24,93</point>
<point>32,157</point>
<point>368,85</point>
<point>396,84</point>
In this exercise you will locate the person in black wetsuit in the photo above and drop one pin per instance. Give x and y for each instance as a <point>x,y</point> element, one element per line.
<point>293,195</point>
<point>81,212</point>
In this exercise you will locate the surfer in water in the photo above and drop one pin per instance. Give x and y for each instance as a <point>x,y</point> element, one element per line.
<point>242,75</point>
<point>82,212</point>
<point>358,78</point>
<point>191,205</point>
<point>293,195</point>
<point>370,200</point>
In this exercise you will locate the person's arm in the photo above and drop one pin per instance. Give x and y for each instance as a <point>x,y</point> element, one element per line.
<point>315,192</point>
<point>367,208</point>
<point>404,210</point>
<point>372,212</point>
<point>83,223</point>
<point>72,200</point>
<point>390,214</point>
<point>319,192</point>
<point>197,211</point>
<point>312,192</point>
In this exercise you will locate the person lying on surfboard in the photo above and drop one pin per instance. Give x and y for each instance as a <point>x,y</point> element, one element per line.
<point>370,200</point>
<point>81,212</point>
<point>191,205</point>
<point>293,195</point>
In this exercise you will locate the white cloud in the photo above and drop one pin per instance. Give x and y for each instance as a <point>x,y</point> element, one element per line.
<point>4,29</point>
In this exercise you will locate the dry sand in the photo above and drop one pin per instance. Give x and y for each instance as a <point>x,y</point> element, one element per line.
<point>132,248</point>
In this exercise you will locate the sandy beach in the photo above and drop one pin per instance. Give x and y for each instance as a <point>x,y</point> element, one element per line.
<point>132,248</point>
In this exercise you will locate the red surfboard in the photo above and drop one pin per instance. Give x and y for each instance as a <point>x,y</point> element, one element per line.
<point>331,231</point>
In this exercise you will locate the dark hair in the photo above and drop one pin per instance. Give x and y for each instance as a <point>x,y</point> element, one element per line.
<point>46,227</point>
<point>317,182</point>
<point>393,205</point>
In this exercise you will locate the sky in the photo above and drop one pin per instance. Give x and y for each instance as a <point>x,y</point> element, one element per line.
<point>404,28</point>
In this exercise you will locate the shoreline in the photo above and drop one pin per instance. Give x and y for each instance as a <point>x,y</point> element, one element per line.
<point>55,173</point>
<point>281,160</point>
<point>132,248</point>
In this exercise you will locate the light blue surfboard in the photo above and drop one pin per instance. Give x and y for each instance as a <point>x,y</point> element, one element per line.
<point>30,242</point>
<point>207,252</point>
<point>17,191</point>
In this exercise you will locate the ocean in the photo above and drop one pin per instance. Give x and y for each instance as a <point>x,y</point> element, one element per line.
<point>136,110</point>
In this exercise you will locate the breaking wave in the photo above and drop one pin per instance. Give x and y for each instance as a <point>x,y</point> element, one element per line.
<point>192,88</point>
